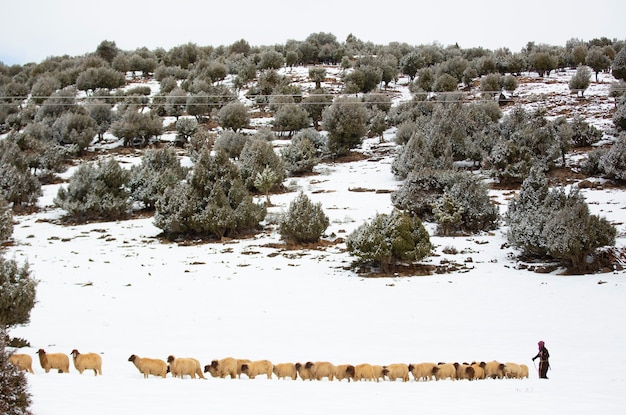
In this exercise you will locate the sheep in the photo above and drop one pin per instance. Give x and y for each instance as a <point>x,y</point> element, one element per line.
<point>512,370</point>
<point>476,371</point>
<point>304,370</point>
<point>240,362</point>
<point>22,361</point>
<point>147,366</point>
<point>494,369</point>
<point>397,371</point>
<point>258,367</point>
<point>285,370</point>
<point>364,371</point>
<point>444,371</point>
<point>224,367</point>
<point>86,361</point>
<point>58,361</point>
<point>345,371</point>
<point>181,366</point>
<point>422,371</point>
<point>321,370</point>
<point>461,370</point>
<point>378,372</point>
<point>524,372</point>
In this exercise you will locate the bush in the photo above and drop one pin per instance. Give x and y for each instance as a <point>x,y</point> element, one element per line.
<point>231,142</point>
<point>613,162</point>
<point>388,239</point>
<point>255,157</point>
<point>6,220</point>
<point>18,293</point>
<point>346,122</point>
<point>96,192</point>
<point>234,116</point>
<point>304,222</point>
<point>299,156</point>
<point>15,398</point>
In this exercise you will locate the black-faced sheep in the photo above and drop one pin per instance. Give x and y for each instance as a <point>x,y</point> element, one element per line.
<point>22,362</point>
<point>224,367</point>
<point>58,361</point>
<point>364,371</point>
<point>494,369</point>
<point>422,371</point>
<point>345,371</point>
<point>285,370</point>
<point>476,371</point>
<point>87,361</point>
<point>181,366</point>
<point>444,371</point>
<point>304,370</point>
<point>397,371</point>
<point>321,370</point>
<point>258,367</point>
<point>147,366</point>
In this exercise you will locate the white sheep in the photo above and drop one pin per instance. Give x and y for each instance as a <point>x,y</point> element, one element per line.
<point>147,366</point>
<point>321,370</point>
<point>86,361</point>
<point>364,371</point>
<point>494,369</point>
<point>512,370</point>
<point>227,366</point>
<point>258,367</point>
<point>22,361</point>
<point>285,370</point>
<point>422,371</point>
<point>58,361</point>
<point>444,371</point>
<point>397,371</point>
<point>181,366</point>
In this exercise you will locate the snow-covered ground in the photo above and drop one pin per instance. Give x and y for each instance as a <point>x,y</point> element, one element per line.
<point>116,289</point>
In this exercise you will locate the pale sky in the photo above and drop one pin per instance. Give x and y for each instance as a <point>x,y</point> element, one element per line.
<point>32,30</point>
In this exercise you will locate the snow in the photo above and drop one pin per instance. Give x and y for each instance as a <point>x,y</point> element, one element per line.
<point>115,288</point>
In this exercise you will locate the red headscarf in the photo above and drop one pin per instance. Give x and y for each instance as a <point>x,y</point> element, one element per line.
<point>540,344</point>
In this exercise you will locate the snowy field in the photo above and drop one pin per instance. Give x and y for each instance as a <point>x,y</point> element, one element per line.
<point>116,289</point>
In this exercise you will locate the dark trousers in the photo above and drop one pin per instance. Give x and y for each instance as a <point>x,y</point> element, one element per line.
<point>543,369</point>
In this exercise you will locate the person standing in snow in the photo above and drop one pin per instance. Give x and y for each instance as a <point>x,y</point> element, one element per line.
<point>543,356</point>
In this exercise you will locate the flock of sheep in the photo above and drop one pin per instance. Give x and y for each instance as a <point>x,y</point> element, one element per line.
<point>233,368</point>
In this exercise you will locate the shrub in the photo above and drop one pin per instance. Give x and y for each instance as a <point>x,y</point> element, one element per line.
<point>299,156</point>
<point>613,162</point>
<point>231,142</point>
<point>96,192</point>
<point>304,222</point>
<point>255,157</point>
<point>15,399</point>
<point>346,123</point>
<point>234,116</point>
<point>6,220</point>
<point>18,293</point>
<point>388,239</point>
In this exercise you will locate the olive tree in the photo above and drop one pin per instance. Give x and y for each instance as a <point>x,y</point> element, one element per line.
<point>346,123</point>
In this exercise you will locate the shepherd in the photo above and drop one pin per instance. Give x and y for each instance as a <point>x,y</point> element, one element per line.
<point>544,363</point>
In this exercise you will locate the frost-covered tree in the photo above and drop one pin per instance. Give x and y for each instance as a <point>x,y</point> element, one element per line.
<point>555,224</point>
<point>613,161</point>
<point>17,184</point>
<point>185,128</point>
<point>388,239</point>
<point>317,74</point>
<point>15,398</point>
<point>257,155</point>
<point>234,116</point>
<point>6,220</point>
<point>212,202</point>
<point>291,118</point>
<point>231,143</point>
<point>597,60</point>
<point>618,67</point>
<point>102,77</point>
<point>264,181</point>
<point>95,192</point>
<point>300,156</point>
<point>580,80</point>
<point>159,169</point>
<point>102,114</point>
<point>137,125</point>
<point>619,116</point>
<point>346,123</point>
<point>176,102</point>
<point>315,103</point>
<point>304,221</point>
<point>77,130</point>
<point>448,213</point>
<point>18,289</point>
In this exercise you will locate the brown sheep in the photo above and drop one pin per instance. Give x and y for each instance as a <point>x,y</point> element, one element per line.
<point>397,371</point>
<point>240,362</point>
<point>476,371</point>
<point>320,370</point>
<point>22,362</point>
<point>147,366</point>
<point>258,367</point>
<point>494,369</point>
<point>58,361</point>
<point>364,371</point>
<point>224,367</point>
<point>444,371</point>
<point>181,366</point>
<point>86,361</point>
<point>461,370</point>
<point>304,370</point>
<point>512,370</point>
<point>344,372</point>
<point>285,370</point>
<point>524,372</point>
<point>422,371</point>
